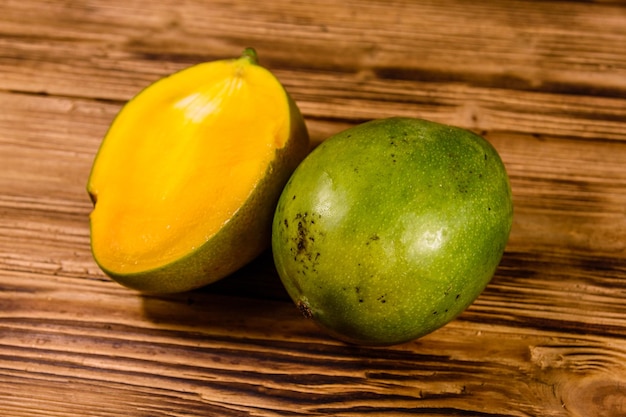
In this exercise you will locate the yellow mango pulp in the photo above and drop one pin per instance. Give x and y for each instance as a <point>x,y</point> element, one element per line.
<point>182,158</point>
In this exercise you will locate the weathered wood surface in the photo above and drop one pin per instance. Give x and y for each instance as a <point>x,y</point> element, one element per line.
<point>544,81</point>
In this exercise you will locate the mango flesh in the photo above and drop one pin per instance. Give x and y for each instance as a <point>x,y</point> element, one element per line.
<point>389,230</point>
<point>186,180</point>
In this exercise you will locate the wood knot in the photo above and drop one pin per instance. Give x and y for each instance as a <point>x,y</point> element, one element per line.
<point>601,395</point>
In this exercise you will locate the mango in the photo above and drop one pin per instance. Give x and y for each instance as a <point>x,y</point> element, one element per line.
<point>186,180</point>
<point>390,229</point>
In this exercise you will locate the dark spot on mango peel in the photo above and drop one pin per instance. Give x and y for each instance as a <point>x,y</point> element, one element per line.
<point>372,238</point>
<point>305,309</point>
<point>301,240</point>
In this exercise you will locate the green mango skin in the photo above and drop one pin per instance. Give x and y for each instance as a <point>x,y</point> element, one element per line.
<point>390,229</point>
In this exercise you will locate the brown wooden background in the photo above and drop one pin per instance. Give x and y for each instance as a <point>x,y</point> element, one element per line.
<point>544,81</point>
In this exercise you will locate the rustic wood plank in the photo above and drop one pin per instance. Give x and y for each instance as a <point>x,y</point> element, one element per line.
<point>545,82</point>
<point>536,42</point>
<point>475,89</point>
<point>211,353</point>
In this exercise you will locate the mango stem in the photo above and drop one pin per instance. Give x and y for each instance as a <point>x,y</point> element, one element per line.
<point>250,54</point>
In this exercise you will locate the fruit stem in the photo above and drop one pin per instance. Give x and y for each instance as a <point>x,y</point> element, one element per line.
<point>251,55</point>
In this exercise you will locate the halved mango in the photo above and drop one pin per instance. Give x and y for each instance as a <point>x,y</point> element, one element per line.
<point>186,180</point>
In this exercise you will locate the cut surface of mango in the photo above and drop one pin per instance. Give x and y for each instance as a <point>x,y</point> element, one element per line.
<point>180,159</point>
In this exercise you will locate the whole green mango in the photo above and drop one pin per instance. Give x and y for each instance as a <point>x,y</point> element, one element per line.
<point>390,229</point>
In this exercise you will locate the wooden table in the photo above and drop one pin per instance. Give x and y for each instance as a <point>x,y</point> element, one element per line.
<point>544,81</point>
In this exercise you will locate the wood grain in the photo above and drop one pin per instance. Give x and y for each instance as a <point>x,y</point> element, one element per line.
<point>543,81</point>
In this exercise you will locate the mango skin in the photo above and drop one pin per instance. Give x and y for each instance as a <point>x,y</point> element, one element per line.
<point>389,230</point>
